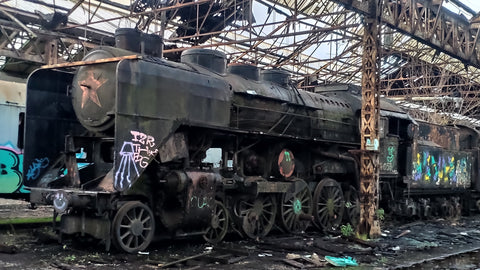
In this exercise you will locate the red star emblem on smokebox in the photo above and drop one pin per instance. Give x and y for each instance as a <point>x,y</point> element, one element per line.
<point>89,87</point>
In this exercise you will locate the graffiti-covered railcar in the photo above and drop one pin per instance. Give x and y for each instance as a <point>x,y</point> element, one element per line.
<point>12,110</point>
<point>196,148</point>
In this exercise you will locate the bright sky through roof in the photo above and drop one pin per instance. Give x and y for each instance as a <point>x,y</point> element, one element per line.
<point>473,4</point>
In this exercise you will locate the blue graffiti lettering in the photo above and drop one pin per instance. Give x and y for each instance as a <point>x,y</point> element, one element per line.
<point>35,168</point>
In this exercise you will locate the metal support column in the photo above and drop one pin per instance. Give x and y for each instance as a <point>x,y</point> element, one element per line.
<point>369,167</point>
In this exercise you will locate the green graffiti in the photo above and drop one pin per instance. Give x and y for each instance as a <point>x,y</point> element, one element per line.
<point>297,206</point>
<point>391,154</point>
<point>287,156</point>
<point>200,204</point>
<point>10,170</point>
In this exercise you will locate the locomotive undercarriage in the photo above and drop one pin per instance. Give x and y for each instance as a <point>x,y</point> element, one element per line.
<point>249,192</point>
<point>426,203</point>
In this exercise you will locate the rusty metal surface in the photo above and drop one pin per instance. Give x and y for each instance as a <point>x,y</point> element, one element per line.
<point>174,148</point>
<point>188,200</point>
<point>369,165</point>
<point>92,62</point>
<point>272,187</point>
<point>450,32</point>
<point>200,199</point>
<point>446,137</point>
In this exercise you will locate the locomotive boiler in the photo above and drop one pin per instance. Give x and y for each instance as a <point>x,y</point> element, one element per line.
<point>141,146</point>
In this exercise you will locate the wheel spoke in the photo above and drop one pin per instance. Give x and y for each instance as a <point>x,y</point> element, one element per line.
<point>129,240</point>
<point>127,233</point>
<point>268,212</point>
<point>247,203</point>
<point>329,204</point>
<point>321,210</point>
<point>134,226</point>
<point>262,225</point>
<point>297,202</point>
<point>147,218</point>
<point>134,214</point>
<point>140,215</point>
<point>336,193</point>
<point>217,233</point>
<point>136,241</point>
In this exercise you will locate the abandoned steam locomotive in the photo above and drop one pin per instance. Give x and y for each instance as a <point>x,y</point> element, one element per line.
<point>141,146</point>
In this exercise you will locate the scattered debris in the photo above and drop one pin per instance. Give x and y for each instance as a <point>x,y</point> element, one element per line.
<point>292,256</point>
<point>397,248</point>
<point>265,255</point>
<point>306,261</point>
<point>9,249</point>
<point>346,261</point>
<point>294,263</point>
<point>165,265</point>
<point>405,232</point>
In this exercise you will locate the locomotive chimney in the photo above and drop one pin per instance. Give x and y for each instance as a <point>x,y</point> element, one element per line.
<point>128,39</point>
<point>212,60</point>
<point>134,40</point>
<point>152,44</point>
<point>246,71</point>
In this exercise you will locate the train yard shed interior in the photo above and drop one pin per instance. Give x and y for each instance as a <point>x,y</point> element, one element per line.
<point>140,119</point>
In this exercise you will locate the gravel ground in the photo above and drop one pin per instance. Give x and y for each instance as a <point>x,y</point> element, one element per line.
<point>403,245</point>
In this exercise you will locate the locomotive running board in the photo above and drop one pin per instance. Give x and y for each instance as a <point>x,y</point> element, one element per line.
<point>268,187</point>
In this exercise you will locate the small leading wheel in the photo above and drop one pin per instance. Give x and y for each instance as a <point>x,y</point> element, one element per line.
<point>295,207</point>
<point>219,224</point>
<point>352,206</point>
<point>133,227</point>
<point>328,204</point>
<point>258,215</point>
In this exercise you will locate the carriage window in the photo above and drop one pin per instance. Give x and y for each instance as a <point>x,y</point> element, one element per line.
<point>213,156</point>
<point>21,127</point>
<point>381,127</point>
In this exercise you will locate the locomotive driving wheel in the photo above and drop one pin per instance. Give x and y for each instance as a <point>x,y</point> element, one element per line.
<point>257,215</point>
<point>133,227</point>
<point>219,224</point>
<point>295,207</point>
<point>328,204</point>
<point>352,206</point>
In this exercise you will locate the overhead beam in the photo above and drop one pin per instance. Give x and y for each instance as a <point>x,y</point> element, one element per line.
<point>430,23</point>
